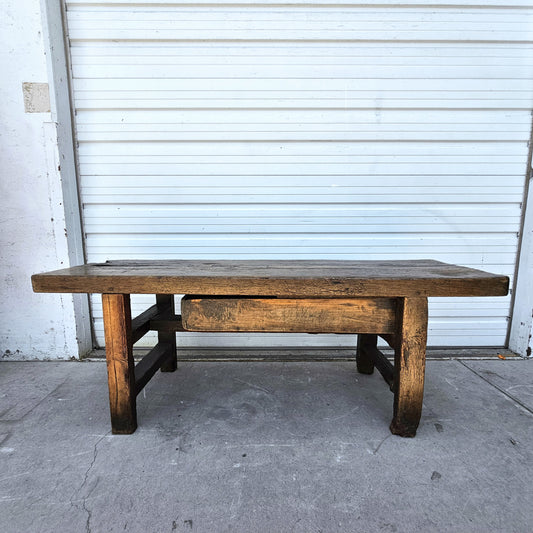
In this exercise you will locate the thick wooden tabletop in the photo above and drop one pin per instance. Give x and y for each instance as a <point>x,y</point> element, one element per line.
<point>275,278</point>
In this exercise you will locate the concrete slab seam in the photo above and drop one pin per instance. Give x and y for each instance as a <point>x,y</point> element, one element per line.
<point>503,391</point>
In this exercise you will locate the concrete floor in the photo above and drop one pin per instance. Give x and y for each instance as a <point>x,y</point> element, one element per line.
<point>266,447</point>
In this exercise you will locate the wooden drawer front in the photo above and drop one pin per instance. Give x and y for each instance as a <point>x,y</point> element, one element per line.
<point>289,315</point>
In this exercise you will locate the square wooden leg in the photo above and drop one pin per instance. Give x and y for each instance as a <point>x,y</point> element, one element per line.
<point>120,363</point>
<point>364,360</point>
<point>166,303</point>
<point>409,365</point>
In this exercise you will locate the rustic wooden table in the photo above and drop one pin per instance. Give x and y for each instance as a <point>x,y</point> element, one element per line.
<point>370,298</point>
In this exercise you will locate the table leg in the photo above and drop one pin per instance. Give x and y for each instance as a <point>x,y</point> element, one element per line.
<point>409,365</point>
<point>364,359</point>
<point>166,302</point>
<point>120,363</point>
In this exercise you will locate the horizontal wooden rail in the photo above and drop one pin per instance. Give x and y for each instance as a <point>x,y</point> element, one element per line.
<point>166,323</point>
<point>390,339</point>
<point>385,367</point>
<point>288,315</point>
<point>140,325</point>
<point>150,364</point>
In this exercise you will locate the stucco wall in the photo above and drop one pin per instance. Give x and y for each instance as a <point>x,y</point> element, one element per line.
<point>32,225</point>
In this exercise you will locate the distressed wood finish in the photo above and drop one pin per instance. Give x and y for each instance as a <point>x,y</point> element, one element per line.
<point>386,298</point>
<point>150,364</point>
<point>390,338</point>
<point>363,358</point>
<point>409,365</point>
<point>276,278</point>
<point>120,364</point>
<point>140,325</point>
<point>369,356</point>
<point>167,324</point>
<point>385,367</point>
<point>288,315</point>
<point>165,304</point>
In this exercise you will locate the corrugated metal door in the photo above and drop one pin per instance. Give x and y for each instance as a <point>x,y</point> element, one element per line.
<point>257,130</point>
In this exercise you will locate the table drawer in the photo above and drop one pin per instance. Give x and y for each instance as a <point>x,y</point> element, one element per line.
<point>288,315</point>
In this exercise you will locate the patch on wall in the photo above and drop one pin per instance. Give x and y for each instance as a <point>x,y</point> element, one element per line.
<point>36,97</point>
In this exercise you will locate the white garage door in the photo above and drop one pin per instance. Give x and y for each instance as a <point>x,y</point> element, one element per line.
<point>380,130</point>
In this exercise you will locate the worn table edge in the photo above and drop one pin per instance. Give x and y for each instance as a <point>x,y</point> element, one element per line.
<point>72,280</point>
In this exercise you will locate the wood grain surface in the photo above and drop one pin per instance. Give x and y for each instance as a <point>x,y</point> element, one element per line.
<point>165,304</point>
<point>275,278</point>
<point>409,365</point>
<point>305,315</point>
<point>120,363</point>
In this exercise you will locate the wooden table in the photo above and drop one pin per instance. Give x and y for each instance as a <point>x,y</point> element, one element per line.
<point>370,298</point>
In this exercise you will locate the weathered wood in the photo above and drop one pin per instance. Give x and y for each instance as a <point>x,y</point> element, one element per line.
<point>308,315</point>
<point>389,338</point>
<point>120,363</point>
<point>386,298</point>
<point>363,358</point>
<point>170,323</point>
<point>369,356</point>
<point>140,325</point>
<point>385,367</point>
<point>409,365</point>
<point>149,365</point>
<point>165,304</point>
<point>276,278</point>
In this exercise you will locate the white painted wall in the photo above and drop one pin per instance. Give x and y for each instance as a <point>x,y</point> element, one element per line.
<point>32,219</point>
<point>521,338</point>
